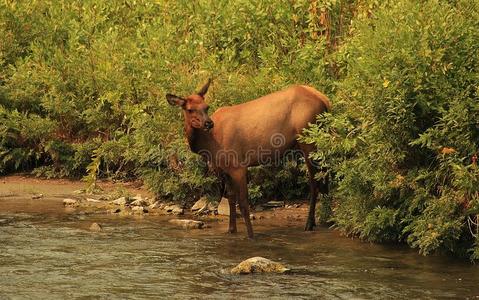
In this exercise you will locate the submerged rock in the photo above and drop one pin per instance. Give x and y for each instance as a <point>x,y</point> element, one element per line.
<point>70,202</point>
<point>258,265</point>
<point>37,196</point>
<point>4,221</point>
<point>96,227</point>
<point>174,209</point>
<point>188,224</point>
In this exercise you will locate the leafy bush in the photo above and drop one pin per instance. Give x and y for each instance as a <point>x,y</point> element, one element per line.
<point>405,126</point>
<point>92,76</point>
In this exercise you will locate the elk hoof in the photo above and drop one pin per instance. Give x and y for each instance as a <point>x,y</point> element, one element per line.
<point>309,226</point>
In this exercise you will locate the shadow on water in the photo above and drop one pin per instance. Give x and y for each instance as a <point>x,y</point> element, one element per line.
<point>53,255</point>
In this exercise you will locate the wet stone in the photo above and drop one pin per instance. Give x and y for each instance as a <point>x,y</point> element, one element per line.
<point>139,209</point>
<point>174,209</point>
<point>4,221</point>
<point>70,202</point>
<point>96,227</point>
<point>258,265</point>
<point>187,224</point>
<point>37,196</point>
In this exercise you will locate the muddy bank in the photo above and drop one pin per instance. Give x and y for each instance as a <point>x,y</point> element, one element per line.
<point>33,195</point>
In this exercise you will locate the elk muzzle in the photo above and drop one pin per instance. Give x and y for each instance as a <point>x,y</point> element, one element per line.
<point>209,125</point>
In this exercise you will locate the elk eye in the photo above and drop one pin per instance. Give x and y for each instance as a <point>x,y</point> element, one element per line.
<point>189,110</point>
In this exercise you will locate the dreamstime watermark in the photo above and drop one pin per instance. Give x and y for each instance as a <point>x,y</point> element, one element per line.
<point>277,150</point>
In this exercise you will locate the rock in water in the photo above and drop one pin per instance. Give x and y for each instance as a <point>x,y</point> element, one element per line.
<point>95,227</point>
<point>258,265</point>
<point>188,224</point>
<point>174,209</point>
<point>70,202</point>
<point>37,196</point>
<point>139,209</point>
<point>224,207</point>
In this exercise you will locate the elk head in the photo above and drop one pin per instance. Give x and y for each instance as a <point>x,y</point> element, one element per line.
<point>194,108</point>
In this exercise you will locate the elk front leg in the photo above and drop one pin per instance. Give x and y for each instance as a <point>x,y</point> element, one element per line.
<point>241,190</point>
<point>232,196</point>
<point>232,225</point>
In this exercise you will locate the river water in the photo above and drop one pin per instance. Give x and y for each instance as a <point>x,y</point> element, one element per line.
<point>52,255</point>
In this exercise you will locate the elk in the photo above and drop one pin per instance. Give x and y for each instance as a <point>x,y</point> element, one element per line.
<point>253,133</point>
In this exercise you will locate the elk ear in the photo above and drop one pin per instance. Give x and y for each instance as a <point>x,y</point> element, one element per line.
<point>175,100</point>
<point>204,89</point>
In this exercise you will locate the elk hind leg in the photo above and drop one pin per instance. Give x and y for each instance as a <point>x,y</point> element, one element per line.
<point>313,186</point>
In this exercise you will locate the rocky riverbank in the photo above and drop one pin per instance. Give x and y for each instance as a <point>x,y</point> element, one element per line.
<point>130,199</point>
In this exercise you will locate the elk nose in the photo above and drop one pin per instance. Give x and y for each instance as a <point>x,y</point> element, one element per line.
<point>209,124</point>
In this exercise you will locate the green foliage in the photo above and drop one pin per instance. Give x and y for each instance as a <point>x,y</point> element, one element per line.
<point>404,128</point>
<point>283,182</point>
<point>89,78</point>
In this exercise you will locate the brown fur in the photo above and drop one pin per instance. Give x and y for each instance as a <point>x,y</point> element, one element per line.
<point>252,133</point>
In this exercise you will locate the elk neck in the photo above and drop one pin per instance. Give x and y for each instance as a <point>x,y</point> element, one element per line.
<point>199,140</point>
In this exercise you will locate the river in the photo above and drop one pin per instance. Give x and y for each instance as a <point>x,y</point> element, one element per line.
<point>49,253</point>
